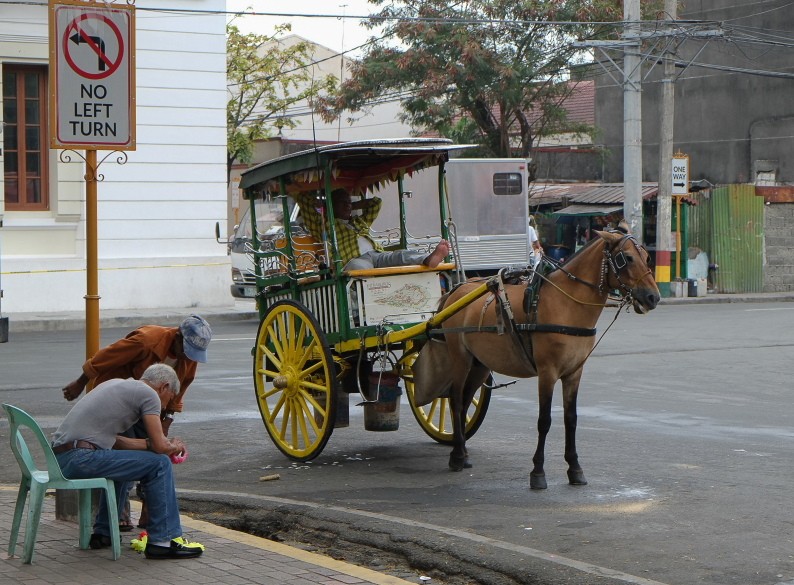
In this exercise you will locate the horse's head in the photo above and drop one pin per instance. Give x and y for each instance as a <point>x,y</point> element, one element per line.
<point>627,269</point>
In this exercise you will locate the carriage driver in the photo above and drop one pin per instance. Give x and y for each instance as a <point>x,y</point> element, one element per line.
<point>357,249</point>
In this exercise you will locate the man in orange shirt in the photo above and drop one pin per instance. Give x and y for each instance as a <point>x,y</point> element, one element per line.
<point>181,347</point>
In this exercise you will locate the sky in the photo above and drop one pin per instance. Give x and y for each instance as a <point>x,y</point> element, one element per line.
<point>330,31</point>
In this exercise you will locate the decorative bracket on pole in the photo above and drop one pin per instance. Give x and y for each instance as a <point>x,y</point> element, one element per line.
<point>92,171</point>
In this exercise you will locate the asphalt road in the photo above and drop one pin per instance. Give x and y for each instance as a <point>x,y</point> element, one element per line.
<point>684,435</point>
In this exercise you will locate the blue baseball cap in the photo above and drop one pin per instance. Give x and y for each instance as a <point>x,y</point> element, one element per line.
<point>196,336</point>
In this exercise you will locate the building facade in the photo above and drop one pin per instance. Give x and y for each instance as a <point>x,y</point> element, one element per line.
<point>157,204</point>
<point>734,118</point>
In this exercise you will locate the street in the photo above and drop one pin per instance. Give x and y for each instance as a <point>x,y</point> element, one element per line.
<point>684,435</point>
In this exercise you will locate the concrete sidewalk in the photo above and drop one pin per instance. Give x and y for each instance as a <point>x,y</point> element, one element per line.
<point>231,558</point>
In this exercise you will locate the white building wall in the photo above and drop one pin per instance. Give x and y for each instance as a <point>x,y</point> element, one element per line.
<point>157,211</point>
<point>378,121</point>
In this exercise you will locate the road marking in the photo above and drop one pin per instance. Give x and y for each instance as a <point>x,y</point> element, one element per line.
<point>585,567</point>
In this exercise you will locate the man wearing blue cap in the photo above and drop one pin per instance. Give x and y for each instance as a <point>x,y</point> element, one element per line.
<point>182,348</point>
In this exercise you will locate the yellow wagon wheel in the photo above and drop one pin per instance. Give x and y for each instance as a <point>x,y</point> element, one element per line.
<point>294,380</point>
<point>435,417</point>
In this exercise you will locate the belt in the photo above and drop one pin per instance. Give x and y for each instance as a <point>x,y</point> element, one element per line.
<point>73,445</point>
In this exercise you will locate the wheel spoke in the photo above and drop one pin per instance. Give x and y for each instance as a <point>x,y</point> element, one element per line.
<point>307,414</point>
<point>308,384</point>
<point>311,369</point>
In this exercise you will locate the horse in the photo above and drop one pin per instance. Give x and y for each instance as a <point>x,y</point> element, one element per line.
<point>548,333</point>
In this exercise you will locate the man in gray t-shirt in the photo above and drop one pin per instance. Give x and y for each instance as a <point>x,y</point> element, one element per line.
<point>129,400</point>
<point>88,443</point>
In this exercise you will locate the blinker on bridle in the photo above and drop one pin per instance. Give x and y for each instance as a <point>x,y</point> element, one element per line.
<point>618,262</point>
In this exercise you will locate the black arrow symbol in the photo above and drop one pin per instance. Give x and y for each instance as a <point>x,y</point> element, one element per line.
<point>678,184</point>
<point>93,42</point>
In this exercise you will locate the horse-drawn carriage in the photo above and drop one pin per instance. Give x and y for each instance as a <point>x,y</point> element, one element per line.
<point>327,332</point>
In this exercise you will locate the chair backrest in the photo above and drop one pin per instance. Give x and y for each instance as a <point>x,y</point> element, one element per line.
<point>18,419</point>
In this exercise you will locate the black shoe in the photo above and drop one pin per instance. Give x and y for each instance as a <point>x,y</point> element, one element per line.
<point>175,551</point>
<point>99,541</point>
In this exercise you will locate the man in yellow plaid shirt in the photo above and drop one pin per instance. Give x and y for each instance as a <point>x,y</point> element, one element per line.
<point>356,247</point>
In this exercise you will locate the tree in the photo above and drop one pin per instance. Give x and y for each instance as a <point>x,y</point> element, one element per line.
<point>265,76</point>
<point>492,71</point>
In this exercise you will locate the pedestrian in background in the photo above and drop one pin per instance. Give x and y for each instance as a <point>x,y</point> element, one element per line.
<point>536,249</point>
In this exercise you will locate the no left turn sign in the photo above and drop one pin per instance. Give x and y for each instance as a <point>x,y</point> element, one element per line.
<point>93,56</point>
<point>92,75</point>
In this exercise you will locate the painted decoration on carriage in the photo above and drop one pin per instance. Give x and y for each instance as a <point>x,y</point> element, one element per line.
<point>400,298</point>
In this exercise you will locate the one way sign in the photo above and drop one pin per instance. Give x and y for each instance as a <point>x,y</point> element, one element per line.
<point>680,174</point>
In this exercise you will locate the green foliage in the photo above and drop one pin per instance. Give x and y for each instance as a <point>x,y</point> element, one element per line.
<point>491,71</point>
<point>265,76</point>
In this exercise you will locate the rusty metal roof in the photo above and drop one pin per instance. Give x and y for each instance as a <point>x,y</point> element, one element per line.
<point>585,210</point>
<point>610,193</point>
<point>585,193</point>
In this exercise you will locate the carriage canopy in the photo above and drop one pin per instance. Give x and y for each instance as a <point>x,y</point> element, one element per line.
<point>358,167</point>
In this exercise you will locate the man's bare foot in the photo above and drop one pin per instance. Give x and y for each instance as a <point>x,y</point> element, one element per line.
<point>437,256</point>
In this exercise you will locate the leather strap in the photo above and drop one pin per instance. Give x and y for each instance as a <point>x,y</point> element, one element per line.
<point>74,445</point>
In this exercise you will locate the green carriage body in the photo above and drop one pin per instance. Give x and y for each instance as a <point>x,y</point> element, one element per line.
<point>315,327</point>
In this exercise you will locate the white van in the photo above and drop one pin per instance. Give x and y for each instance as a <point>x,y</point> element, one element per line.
<point>488,202</point>
<point>269,219</point>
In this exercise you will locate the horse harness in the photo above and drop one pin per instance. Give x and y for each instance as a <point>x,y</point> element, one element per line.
<point>505,318</point>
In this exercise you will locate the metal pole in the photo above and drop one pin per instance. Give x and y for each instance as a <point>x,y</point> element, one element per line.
<point>664,197</point>
<point>632,119</point>
<point>92,262</point>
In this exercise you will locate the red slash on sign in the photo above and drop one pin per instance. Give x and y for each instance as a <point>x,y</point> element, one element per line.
<point>78,34</point>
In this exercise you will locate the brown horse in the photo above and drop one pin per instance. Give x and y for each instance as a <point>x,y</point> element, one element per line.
<point>550,338</point>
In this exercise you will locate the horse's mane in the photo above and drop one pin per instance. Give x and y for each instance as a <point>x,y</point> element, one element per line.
<point>581,250</point>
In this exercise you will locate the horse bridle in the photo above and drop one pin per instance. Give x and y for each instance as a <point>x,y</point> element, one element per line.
<point>618,262</point>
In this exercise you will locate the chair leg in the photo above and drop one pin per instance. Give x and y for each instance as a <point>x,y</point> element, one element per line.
<point>34,516</point>
<point>19,509</point>
<point>113,518</point>
<point>84,516</point>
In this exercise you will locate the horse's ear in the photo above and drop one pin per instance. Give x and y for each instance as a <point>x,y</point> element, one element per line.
<point>610,237</point>
<point>623,226</point>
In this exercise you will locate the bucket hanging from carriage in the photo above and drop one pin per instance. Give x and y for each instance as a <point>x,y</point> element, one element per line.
<point>383,413</point>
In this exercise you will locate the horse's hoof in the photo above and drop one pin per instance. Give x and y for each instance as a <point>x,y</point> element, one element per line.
<point>457,464</point>
<point>537,481</point>
<point>576,477</point>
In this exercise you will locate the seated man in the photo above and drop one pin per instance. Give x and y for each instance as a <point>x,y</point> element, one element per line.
<point>88,443</point>
<point>357,249</point>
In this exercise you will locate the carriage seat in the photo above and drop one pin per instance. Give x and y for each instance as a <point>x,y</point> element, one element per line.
<point>392,270</point>
<point>308,253</point>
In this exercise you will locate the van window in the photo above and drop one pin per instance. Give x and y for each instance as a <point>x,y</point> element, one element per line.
<point>269,224</point>
<point>507,184</point>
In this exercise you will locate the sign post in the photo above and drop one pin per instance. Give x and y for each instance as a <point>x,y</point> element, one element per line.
<point>680,180</point>
<point>680,176</point>
<point>92,105</point>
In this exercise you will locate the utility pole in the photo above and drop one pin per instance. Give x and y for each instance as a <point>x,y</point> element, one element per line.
<point>632,118</point>
<point>664,197</point>
<point>341,70</point>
